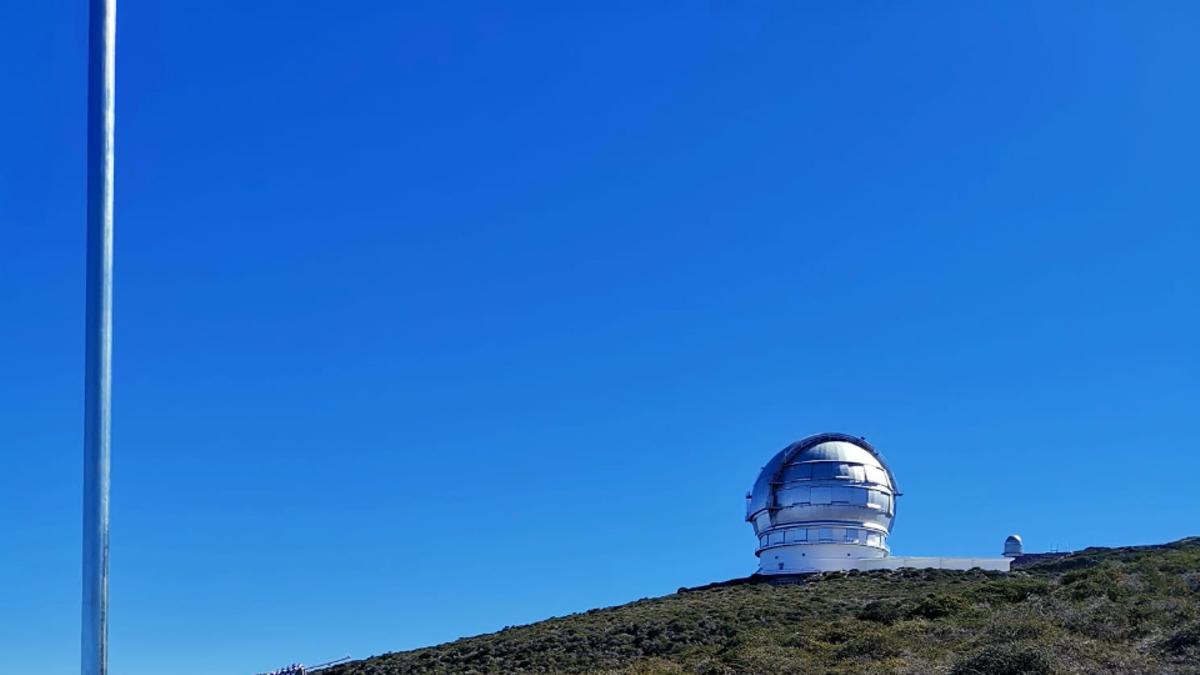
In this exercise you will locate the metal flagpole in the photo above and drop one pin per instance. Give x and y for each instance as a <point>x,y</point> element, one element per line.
<point>102,27</point>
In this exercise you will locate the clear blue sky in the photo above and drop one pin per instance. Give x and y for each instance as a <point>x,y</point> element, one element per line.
<point>439,319</point>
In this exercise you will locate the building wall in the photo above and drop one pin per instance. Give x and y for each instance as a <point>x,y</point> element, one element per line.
<point>839,557</point>
<point>925,562</point>
<point>815,558</point>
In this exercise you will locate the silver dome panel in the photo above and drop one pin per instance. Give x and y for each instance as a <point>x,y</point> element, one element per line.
<point>825,483</point>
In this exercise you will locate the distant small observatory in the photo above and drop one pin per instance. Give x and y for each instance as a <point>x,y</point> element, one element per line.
<point>827,503</point>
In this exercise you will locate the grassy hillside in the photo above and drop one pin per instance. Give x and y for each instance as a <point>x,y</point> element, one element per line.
<point>1134,610</point>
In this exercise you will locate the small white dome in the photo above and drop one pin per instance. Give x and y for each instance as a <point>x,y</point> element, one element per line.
<point>1013,546</point>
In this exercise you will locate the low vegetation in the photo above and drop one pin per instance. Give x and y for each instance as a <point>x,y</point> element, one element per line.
<point>1128,610</point>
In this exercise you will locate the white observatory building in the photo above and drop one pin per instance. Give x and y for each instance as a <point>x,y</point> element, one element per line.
<point>828,503</point>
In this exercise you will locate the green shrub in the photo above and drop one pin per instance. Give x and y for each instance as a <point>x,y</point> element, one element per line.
<point>1100,581</point>
<point>1004,660</point>
<point>881,611</point>
<point>936,606</point>
<point>1185,641</point>
<point>1012,590</point>
<point>870,645</point>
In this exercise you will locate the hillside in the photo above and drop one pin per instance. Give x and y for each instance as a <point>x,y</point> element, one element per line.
<point>1134,610</point>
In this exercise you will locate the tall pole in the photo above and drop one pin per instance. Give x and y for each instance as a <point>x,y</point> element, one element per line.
<point>97,417</point>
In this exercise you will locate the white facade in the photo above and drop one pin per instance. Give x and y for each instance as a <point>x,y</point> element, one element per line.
<point>827,503</point>
<point>895,562</point>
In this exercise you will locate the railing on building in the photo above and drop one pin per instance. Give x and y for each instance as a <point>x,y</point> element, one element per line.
<point>301,669</point>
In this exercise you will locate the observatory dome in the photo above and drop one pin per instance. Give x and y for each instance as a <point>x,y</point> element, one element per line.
<point>1013,546</point>
<point>821,503</point>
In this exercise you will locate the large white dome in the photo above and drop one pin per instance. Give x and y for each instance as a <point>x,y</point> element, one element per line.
<point>821,501</point>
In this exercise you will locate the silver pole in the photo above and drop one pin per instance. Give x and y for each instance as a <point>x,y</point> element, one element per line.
<point>97,417</point>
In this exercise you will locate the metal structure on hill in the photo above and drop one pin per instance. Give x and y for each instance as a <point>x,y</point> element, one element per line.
<point>301,669</point>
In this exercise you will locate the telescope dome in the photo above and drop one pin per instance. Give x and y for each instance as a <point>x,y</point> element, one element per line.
<point>1013,546</point>
<point>820,503</point>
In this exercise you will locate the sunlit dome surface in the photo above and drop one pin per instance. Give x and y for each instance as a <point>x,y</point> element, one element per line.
<point>827,495</point>
<point>1013,546</point>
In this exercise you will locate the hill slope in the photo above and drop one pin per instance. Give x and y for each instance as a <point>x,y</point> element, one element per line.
<point>1131,610</point>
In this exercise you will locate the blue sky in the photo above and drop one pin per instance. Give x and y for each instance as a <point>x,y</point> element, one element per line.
<point>439,318</point>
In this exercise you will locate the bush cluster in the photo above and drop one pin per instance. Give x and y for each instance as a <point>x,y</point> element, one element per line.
<point>1128,609</point>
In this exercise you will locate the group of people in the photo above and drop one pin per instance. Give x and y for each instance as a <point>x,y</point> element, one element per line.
<point>294,669</point>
